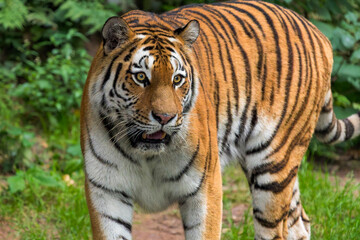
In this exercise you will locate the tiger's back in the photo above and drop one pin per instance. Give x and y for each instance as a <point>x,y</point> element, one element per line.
<point>251,87</point>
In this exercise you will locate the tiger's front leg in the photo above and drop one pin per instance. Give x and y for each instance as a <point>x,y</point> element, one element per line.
<point>201,211</point>
<point>110,212</point>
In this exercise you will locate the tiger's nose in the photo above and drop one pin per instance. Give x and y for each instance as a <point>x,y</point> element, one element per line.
<point>162,118</point>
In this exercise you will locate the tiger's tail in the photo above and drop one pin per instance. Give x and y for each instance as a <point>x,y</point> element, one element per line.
<point>331,130</point>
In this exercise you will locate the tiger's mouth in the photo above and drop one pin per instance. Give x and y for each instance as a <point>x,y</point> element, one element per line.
<point>159,137</point>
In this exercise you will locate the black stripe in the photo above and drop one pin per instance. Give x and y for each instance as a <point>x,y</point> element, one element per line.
<point>110,127</point>
<point>294,222</point>
<point>277,187</point>
<point>127,57</point>
<point>272,96</point>
<point>208,50</point>
<point>261,65</point>
<point>275,168</point>
<point>349,129</point>
<point>308,70</point>
<point>248,93</point>
<point>254,120</point>
<point>99,158</point>
<point>118,69</point>
<point>298,86</point>
<point>275,35</point>
<point>327,108</point>
<point>254,19</point>
<point>124,88</point>
<point>118,221</point>
<point>293,23</point>
<point>217,102</point>
<point>132,49</point>
<point>197,189</point>
<point>228,125</point>
<point>187,107</point>
<point>294,120</point>
<point>170,49</point>
<point>234,80</point>
<point>289,19</point>
<point>257,210</point>
<point>121,237</point>
<point>338,132</point>
<point>328,128</point>
<point>270,224</point>
<point>108,72</point>
<point>263,83</point>
<point>292,210</point>
<point>241,21</point>
<point>304,24</point>
<point>221,23</point>
<point>275,12</point>
<point>303,219</point>
<point>149,39</point>
<point>186,168</point>
<point>111,93</point>
<point>188,228</point>
<point>113,191</point>
<point>294,192</point>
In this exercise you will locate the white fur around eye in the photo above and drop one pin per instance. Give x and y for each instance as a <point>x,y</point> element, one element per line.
<point>178,67</point>
<point>142,62</point>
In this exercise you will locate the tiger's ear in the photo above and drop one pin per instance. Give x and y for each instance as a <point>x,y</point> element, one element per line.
<point>115,32</point>
<point>189,32</point>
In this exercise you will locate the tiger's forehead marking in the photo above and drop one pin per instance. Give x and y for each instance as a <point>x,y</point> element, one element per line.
<point>157,51</point>
<point>143,61</point>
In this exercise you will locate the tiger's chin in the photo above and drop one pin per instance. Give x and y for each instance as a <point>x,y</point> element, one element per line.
<point>151,143</point>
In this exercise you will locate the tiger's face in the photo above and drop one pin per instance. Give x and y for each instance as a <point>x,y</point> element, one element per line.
<point>149,87</point>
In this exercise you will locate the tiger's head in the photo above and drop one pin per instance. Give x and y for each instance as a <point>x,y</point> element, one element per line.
<point>147,85</point>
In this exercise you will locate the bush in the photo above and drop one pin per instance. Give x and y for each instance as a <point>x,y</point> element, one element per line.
<point>44,60</point>
<point>43,69</point>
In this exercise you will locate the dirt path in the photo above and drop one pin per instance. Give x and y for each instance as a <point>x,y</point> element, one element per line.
<point>167,225</point>
<point>6,231</point>
<point>161,226</point>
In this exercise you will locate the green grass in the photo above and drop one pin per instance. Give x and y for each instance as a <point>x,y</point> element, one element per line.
<point>48,212</point>
<point>42,212</point>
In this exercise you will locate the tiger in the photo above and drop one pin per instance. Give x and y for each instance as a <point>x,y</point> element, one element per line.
<point>172,98</point>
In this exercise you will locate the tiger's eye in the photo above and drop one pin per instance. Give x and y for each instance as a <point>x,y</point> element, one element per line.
<point>177,79</point>
<point>140,76</point>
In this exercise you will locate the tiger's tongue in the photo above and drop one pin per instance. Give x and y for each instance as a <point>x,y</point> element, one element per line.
<point>156,136</point>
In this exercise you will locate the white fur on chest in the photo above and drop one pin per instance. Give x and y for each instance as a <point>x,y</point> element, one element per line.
<point>148,182</point>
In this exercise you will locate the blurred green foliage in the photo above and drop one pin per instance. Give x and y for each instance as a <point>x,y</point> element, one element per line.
<point>44,64</point>
<point>43,69</point>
